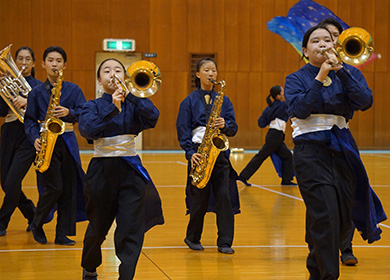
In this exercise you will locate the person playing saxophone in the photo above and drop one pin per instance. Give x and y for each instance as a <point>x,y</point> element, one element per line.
<point>191,121</point>
<point>60,181</point>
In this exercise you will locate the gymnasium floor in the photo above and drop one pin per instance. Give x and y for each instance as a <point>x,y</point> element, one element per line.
<point>269,234</point>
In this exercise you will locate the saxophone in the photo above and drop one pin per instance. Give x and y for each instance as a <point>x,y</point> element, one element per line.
<point>212,144</point>
<point>52,127</point>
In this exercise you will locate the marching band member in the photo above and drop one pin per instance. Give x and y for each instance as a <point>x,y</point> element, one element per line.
<point>61,180</point>
<point>17,153</point>
<point>117,186</point>
<point>321,98</point>
<point>275,116</point>
<point>193,115</point>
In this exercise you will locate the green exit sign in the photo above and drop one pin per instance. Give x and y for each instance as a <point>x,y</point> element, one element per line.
<point>119,45</point>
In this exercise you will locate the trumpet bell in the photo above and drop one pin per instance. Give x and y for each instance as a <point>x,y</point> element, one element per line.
<point>355,46</point>
<point>145,78</point>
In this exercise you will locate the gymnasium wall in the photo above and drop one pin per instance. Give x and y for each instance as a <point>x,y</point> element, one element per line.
<point>251,59</point>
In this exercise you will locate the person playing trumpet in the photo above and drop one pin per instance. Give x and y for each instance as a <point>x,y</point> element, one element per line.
<point>116,182</point>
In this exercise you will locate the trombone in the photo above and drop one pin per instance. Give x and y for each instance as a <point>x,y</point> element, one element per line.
<point>354,46</point>
<point>144,79</point>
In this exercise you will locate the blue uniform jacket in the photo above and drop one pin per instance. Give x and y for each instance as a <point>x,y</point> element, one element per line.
<point>278,109</point>
<point>348,92</point>
<point>192,114</point>
<point>101,118</point>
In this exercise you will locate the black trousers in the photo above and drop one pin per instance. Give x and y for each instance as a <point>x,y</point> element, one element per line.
<point>114,190</point>
<point>346,243</point>
<point>60,184</point>
<point>219,185</point>
<point>273,144</point>
<point>326,183</point>
<point>17,155</point>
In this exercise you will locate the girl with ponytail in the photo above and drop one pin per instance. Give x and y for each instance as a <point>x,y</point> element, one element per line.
<point>275,116</point>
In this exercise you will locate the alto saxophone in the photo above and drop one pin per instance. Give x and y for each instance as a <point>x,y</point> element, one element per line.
<point>212,144</point>
<point>52,127</point>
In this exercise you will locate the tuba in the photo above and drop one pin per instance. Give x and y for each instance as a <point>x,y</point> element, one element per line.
<point>212,144</point>
<point>12,82</point>
<point>354,46</point>
<point>52,127</point>
<point>144,79</point>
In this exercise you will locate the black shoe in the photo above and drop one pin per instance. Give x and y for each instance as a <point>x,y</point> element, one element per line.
<point>89,275</point>
<point>288,183</point>
<point>225,249</point>
<point>244,181</point>
<point>63,240</point>
<point>193,245</point>
<point>28,229</point>
<point>3,232</point>
<point>348,259</point>
<point>38,234</point>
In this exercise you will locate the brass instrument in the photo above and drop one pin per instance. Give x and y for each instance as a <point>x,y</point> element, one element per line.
<point>144,79</point>
<point>52,127</point>
<point>12,82</point>
<point>212,144</point>
<point>354,46</point>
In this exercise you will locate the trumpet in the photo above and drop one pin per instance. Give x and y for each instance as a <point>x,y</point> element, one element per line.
<point>354,46</point>
<point>144,79</point>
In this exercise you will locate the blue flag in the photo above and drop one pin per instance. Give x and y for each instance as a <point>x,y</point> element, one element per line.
<point>300,18</point>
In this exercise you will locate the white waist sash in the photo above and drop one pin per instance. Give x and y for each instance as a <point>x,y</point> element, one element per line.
<point>278,124</point>
<point>197,134</point>
<point>68,126</point>
<point>316,122</point>
<point>115,146</point>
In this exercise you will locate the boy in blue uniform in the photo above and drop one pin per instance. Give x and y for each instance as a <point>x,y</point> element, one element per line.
<point>60,180</point>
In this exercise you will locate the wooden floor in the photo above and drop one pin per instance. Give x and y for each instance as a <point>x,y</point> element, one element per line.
<point>269,234</point>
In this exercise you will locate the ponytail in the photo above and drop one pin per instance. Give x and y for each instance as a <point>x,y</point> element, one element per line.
<point>275,91</point>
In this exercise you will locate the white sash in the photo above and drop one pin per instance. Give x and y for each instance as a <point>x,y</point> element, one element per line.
<point>116,146</point>
<point>316,122</point>
<point>197,134</point>
<point>278,124</point>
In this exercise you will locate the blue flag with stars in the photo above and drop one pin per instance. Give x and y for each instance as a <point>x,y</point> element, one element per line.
<point>302,16</point>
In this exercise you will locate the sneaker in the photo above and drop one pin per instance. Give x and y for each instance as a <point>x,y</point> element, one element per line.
<point>288,183</point>
<point>63,240</point>
<point>3,232</point>
<point>244,181</point>
<point>348,259</point>
<point>225,249</point>
<point>194,246</point>
<point>87,275</point>
<point>38,234</point>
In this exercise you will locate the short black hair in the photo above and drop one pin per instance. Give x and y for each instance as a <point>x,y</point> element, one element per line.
<point>55,49</point>
<point>331,21</point>
<point>306,37</point>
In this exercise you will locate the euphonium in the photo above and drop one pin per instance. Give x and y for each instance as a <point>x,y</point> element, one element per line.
<point>52,127</point>
<point>144,79</point>
<point>212,144</point>
<point>354,46</point>
<point>12,82</point>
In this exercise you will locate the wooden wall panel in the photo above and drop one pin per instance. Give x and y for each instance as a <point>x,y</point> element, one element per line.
<point>250,57</point>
